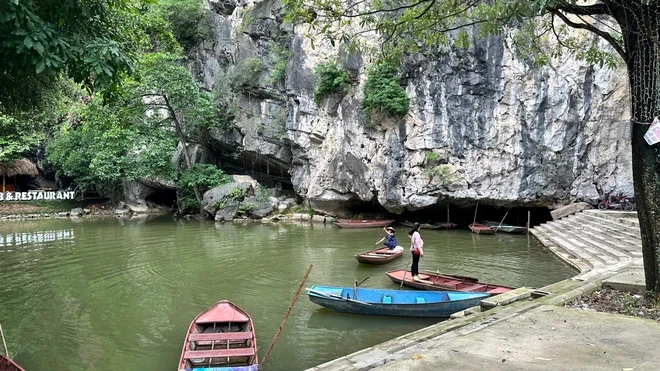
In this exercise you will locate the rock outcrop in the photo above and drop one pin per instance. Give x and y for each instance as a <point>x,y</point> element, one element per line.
<point>483,124</point>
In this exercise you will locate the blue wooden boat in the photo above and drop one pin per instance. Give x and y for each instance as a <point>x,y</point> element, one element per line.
<point>404,303</point>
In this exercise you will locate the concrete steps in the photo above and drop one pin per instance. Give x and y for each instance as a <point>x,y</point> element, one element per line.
<point>593,240</point>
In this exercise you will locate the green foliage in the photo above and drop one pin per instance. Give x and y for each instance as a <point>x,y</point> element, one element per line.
<point>93,42</point>
<point>444,174</point>
<point>189,21</point>
<point>236,194</point>
<point>279,58</point>
<point>246,75</point>
<point>432,156</point>
<point>245,208</point>
<point>204,177</point>
<point>382,92</point>
<point>263,193</point>
<point>16,137</point>
<point>331,80</point>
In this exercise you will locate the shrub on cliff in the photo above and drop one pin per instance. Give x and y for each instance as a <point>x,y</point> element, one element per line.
<point>331,80</point>
<point>382,92</point>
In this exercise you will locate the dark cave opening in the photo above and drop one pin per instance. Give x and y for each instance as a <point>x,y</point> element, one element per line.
<point>162,198</point>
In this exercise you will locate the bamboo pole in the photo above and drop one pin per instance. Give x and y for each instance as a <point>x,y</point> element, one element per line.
<point>528,220</point>
<point>498,227</point>
<point>3,341</point>
<point>279,331</point>
<point>475,213</point>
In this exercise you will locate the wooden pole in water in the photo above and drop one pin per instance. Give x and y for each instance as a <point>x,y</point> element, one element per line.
<point>279,331</point>
<point>528,220</point>
<point>3,341</point>
<point>498,227</point>
<point>475,213</point>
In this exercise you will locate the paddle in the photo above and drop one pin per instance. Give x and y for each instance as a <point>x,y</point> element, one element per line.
<point>336,296</point>
<point>3,341</point>
<point>405,272</point>
<point>279,331</point>
<point>498,227</point>
<point>361,282</point>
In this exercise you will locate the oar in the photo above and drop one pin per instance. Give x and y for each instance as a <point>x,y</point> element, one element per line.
<point>279,331</point>
<point>498,227</point>
<point>361,282</point>
<point>3,341</point>
<point>336,296</point>
<point>405,272</point>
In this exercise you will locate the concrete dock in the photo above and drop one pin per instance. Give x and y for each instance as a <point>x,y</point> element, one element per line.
<point>530,329</point>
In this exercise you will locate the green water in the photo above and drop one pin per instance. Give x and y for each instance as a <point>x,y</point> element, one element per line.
<point>116,294</point>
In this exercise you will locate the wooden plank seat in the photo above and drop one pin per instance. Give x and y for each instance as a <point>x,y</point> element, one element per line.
<point>473,288</point>
<point>220,336</point>
<point>451,283</point>
<point>217,353</point>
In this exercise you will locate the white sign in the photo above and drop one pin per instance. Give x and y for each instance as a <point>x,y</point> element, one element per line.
<point>652,136</point>
<point>34,196</point>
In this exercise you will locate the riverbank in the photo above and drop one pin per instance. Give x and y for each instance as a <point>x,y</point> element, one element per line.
<point>537,331</point>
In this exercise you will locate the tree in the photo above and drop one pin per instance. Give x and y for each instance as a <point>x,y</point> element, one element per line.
<point>632,27</point>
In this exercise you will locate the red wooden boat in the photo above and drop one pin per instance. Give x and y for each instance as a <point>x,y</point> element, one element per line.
<point>7,364</point>
<point>479,228</point>
<point>223,338</point>
<point>438,281</point>
<point>379,256</point>
<point>362,223</point>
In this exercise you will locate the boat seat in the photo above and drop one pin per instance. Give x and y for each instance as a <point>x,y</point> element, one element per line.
<point>420,300</point>
<point>474,288</point>
<point>220,336</point>
<point>387,299</point>
<point>217,353</point>
<point>451,283</point>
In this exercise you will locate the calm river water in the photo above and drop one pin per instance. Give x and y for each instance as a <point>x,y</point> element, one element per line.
<point>111,295</point>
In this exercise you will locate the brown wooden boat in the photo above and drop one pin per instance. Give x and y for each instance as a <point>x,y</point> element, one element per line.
<point>479,228</point>
<point>379,256</point>
<point>221,336</point>
<point>7,364</point>
<point>440,225</point>
<point>439,281</point>
<point>363,223</point>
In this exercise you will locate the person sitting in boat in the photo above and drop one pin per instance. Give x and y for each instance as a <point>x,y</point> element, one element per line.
<point>389,240</point>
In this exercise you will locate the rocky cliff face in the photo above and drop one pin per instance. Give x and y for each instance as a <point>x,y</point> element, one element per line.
<point>483,124</point>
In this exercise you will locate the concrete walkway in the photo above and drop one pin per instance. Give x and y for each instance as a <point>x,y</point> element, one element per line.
<point>536,332</point>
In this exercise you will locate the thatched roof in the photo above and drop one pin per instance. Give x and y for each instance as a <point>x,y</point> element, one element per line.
<point>18,167</point>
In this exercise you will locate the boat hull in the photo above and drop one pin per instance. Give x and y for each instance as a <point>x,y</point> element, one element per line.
<point>401,303</point>
<point>441,225</point>
<point>378,257</point>
<point>221,338</point>
<point>480,229</point>
<point>363,223</point>
<point>6,364</point>
<point>439,281</point>
<point>506,227</point>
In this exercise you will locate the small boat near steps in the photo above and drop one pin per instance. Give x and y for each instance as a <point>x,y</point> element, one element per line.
<point>439,281</point>
<point>222,338</point>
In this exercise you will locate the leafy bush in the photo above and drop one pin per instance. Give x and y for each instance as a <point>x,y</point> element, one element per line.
<point>332,80</point>
<point>205,177</point>
<point>190,22</point>
<point>246,74</point>
<point>279,57</point>
<point>382,92</point>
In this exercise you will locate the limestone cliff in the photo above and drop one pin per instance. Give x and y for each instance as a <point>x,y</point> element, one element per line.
<point>501,131</point>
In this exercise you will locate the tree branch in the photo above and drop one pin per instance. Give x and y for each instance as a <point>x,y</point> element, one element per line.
<point>595,9</point>
<point>619,48</point>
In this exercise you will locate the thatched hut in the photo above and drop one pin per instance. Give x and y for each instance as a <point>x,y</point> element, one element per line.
<point>15,168</point>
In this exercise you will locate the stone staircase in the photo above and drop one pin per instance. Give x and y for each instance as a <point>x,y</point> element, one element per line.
<point>594,241</point>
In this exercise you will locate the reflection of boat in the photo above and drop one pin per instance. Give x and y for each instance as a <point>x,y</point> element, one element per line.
<point>497,226</point>
<point>6,364</point>
<point>438,281</point>
<point>441,225</point>
<point>363,223</point>
<point>379,256</point>
<point>406,303</point>
<point>220,338</point>
<point>480,229</point>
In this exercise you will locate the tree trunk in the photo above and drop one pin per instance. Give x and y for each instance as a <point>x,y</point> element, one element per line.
<point>644,74</point>
<point>186,155</point>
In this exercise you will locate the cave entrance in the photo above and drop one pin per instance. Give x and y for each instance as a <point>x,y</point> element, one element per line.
<point>161,199</point>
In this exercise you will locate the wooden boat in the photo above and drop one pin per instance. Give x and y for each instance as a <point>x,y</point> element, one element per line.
<point>479,228</point>
<point>363,223</point>
<point>441,225</point>
<point>405,303</point>
<point>6,364</point>
<point>508,228</point>
<point>379,256</point>
<point>221,338</point>
<point>439,281</point>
